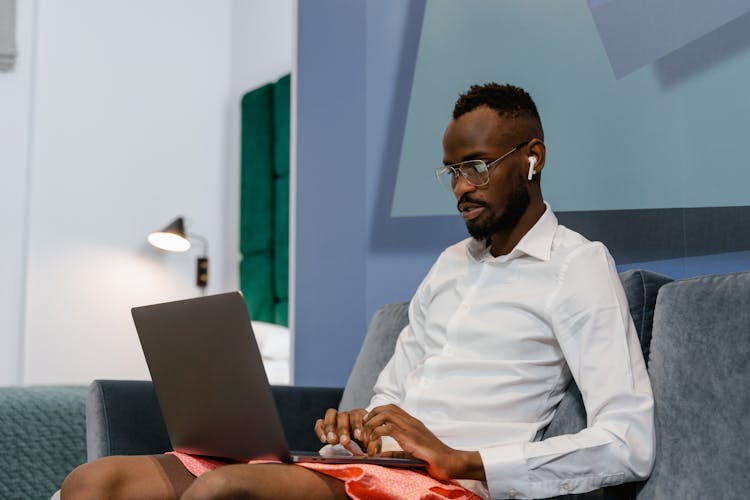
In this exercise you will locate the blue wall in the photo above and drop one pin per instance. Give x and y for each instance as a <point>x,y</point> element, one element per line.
<point>654,139</point>
<point>352,256</point>
<point>399,250</point>
<point>331,232</point>
<point>356,61</point>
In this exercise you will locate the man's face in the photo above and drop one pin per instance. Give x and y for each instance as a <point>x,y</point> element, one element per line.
<point>497,206</point>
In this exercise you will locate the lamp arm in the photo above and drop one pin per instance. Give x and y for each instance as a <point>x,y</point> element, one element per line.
<point>202,240</point>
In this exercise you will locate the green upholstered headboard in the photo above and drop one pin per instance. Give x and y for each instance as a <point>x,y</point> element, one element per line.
<point>264,205</point>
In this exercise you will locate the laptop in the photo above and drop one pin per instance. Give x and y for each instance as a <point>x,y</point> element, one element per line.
<point>211,385</point>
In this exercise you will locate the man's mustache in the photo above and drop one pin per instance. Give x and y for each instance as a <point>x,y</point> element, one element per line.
<point>468,199</point>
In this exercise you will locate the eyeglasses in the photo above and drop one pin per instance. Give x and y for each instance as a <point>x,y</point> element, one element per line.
<point>476,172</point>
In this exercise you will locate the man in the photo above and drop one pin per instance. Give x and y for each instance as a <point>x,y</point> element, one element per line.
<point>496,330</point>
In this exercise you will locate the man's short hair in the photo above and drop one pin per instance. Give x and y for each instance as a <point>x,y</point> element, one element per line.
<point>507,100</point>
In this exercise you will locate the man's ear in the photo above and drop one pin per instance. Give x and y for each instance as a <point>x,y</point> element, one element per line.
<point>537,149</point>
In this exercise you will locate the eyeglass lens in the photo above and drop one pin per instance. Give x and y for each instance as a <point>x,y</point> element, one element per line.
<point>475,172</point>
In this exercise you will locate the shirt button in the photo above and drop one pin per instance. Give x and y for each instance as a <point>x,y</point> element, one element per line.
<point>565,486</point>
<point>449,350</point>
<point>512,493</point>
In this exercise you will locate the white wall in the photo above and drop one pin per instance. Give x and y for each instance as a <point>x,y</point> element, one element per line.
<point>133,121</point>
<point>15,102</point>
<point>260,52</point>
<point>261,43</point>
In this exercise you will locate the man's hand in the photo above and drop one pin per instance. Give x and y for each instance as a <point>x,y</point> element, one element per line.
<point>417,441</point>
<point>339,427</point>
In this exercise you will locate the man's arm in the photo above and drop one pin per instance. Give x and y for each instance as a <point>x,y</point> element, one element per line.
<point>417,441</point>
<point>589,314</point>
<point>366,429</point>
<point>339,427</point>
<point>408,352</point>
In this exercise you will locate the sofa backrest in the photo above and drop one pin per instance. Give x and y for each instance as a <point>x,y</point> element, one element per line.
<point>640,287</point>
<point>700,376</point>
<point>377,349</point>
<point>42,438</point>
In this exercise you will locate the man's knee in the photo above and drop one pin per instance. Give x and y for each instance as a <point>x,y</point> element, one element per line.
<point>215,485</point>
<point>92,480</point>
<point>118,477</point>
<point>259,481</point>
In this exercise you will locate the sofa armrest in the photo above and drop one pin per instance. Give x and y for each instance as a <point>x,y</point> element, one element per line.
<point>123,417</point>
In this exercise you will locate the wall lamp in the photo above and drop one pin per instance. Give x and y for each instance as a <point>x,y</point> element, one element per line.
<point>173,238</point>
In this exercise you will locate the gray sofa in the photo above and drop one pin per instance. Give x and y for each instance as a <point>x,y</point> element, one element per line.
<point>695,335</point>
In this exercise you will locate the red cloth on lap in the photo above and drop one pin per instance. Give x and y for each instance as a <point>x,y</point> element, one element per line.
<point>362,481</point>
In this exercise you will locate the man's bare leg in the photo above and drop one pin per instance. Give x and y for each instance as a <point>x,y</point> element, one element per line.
<point>161,477</point>
<point>261,481</point>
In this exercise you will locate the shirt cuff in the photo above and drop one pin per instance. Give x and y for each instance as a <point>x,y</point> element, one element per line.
<point>506,471</point>
<point>508,476</point>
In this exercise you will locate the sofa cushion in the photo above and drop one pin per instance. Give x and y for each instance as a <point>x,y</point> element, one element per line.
<point>377,349</point>
<point>641,288</point>
<point>700,375</point>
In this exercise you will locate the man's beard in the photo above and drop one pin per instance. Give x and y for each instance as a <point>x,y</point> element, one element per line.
<point>517,204</point>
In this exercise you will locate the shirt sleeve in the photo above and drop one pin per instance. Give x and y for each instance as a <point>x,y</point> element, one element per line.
<point>409,351</point>
<point>591,320</point>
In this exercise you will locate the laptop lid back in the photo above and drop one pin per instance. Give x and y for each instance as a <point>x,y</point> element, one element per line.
<point>208,375</point>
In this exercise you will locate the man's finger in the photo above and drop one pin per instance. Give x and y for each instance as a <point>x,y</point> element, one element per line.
<point>387,429</point>
<point>354,448</point>
<point>342,427</point>
<point>320,431</point>
<point>355,421</point>
<point>384,417</point>
<point>373,448</point>
<point>331,420</point>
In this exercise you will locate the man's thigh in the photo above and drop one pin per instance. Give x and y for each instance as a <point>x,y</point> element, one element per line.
<point>265,481</point>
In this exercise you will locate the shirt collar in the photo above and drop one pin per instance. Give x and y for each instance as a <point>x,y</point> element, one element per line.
<point>537,242</point>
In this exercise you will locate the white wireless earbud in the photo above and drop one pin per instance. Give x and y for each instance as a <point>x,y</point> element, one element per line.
<point>532,162</point>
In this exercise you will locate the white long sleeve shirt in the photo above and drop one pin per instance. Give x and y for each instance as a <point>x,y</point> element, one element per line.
<point>491,346</point>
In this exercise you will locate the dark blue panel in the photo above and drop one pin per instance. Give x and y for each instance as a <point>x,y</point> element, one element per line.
<point>331,236</point>
<point>658,234</point>
<point>689,267</point>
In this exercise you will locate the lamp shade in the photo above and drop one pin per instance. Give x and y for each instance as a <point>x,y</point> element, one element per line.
<point>171,238</point>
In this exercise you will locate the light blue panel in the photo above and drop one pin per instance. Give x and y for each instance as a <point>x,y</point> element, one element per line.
<point>665,136</point>
<point>638,32</point>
